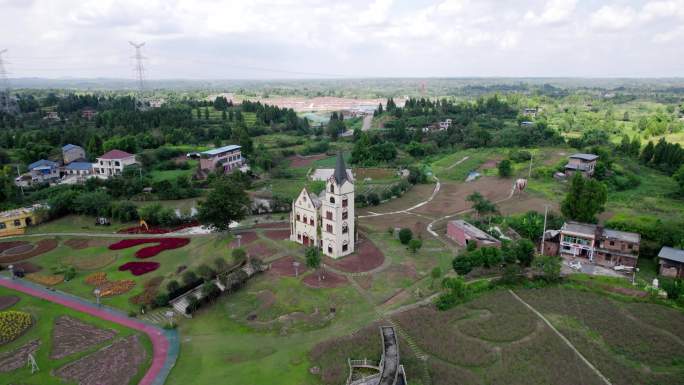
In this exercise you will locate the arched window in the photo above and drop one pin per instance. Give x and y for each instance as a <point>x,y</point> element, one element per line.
<point>330,249</point>
<point>345,228</point>
<point>332,188</point>
<point>332,199</point>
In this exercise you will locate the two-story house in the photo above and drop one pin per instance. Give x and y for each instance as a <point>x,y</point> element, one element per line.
<point>582,163</point>
<point>228,158</point>
<point>112,163</point>
<point>605,247</point>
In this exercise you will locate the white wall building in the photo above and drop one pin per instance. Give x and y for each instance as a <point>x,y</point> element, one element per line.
<point>112,163</point>
<point>327,221</point>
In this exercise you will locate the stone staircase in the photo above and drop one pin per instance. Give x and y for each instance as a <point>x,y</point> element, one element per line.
<point>156,317</point>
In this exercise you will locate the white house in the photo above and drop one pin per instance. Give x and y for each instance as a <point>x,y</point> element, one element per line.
<point>112,163</point>
<point>327,221</point>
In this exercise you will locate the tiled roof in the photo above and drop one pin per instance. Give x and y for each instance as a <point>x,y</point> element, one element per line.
<point>115,154</point>
<point>671,254</point>
<point>42,163</point>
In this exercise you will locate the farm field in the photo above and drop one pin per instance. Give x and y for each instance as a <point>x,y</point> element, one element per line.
<point>60,346</point>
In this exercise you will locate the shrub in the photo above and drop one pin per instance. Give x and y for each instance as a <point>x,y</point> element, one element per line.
<point>405,235</point>
<point>172,286</point>
<point>189,277</point>
<point>239,255</point>
<point>13,324</point>
<point>206,272</point>
<point>139,268</point>
<point>373,199</point>
<point>414,245</point>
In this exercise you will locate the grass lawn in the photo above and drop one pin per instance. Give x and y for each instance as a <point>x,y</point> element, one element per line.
<point>446,168</point>
<point>76,224</point>
<point>220,346</point>
<point>44,314</point>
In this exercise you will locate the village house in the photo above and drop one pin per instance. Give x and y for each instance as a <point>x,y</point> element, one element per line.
<point>72,153</point>
<point>605,247</point>
<point>112,163</point>
<point>582,163</point>
<point>41,171</point>
<point>671,262</point>
<point>52,116</point>
<point>14,222</point>
<point>327,221</point>
<point>88,113</point>
<point>445,125</point>
<point>531,111</point>
<point>228,158</point>
<point>78,170</point>
<point>464,233</point>
<point>156,103</point>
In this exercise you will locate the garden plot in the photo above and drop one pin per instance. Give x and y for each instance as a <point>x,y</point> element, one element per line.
<point>418,193</point>
<point>15,254</point>
<point>17,358</point>
<point>70,336</point>
<point>284,267</point>
<point>366,258</point>
<point>7,301</point>
<point>299,161</point>
<point>115,364</point>
<point>451,197</point>
<point>630,343</point>
<point>417,224</point>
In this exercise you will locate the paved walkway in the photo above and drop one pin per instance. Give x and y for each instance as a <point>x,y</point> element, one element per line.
<point>165,344</point>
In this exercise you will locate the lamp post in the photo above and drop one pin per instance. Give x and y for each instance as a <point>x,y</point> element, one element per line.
<point>169,315</point>
<point>11,270</point>
<point>238,237</point>
<point>97,293</point>
<point>295,264</point>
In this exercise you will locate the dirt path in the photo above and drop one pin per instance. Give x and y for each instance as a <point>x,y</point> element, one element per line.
<point>457,163</point>
<point>367,120</point>
<point>438,186</point>
<point>164,343</point>
<point>562,337</point>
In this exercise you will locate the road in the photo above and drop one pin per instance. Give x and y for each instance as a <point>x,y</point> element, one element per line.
<point>367,120</point>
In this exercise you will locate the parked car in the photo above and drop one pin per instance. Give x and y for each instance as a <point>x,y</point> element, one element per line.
<point>622,268</point>
<point>575,265</point>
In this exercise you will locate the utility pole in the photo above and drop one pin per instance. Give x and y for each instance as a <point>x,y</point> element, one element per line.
<point>139,68</point>
<point>529,173</point>
<point>546,213</point>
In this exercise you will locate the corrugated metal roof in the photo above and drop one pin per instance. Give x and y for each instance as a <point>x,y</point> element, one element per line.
<point>622,235</point>
<point>79,166</point>
<point>588,157</point>
<point>43,163</point>
<point>671,254</point>
<point>221,150</point>
<point>579,228</point>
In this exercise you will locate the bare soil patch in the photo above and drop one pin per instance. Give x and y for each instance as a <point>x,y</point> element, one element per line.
<point>451,198</point>
<point>366,258</point>
<point>115,364</point>
<point>524,203</point>
<point>415,195</point>
<point>246,237</point>
<point>71,335</point>
<point>17,358</point>
<point>42,246</point>
<point>283,267</point>
<point>259,250</point>
<point>277,235</point>
<point>329,280</point>
<point>416,223</point>
<point>299,161</point>
<point>8,300</point>
<point>491,163</point>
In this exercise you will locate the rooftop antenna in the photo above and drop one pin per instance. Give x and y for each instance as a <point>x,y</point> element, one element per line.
<point>139,68</point>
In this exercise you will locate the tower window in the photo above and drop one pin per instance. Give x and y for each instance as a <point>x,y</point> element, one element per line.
<point>311,221</point>
<point>329,249</point>
<point>345,228</point>
<point>344,202</point>
<point>345,247</point>
<point>329,228</point>
<point>328,215</point>
<point>332,188</point>
<point>332,199</point>
<point>345,215</point>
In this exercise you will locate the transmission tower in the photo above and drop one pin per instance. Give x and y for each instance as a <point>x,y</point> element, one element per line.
<point>139,68</point>
<point>7,104</point>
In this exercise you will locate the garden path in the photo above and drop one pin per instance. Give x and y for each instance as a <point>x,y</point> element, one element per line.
<point>165,344</point>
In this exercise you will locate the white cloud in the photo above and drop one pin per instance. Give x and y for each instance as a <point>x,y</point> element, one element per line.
<point>611,17</point>
<point>553,12</point>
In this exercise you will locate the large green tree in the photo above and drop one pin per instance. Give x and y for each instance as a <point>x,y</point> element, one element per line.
<point>227,202</point>
<point>585,199</point>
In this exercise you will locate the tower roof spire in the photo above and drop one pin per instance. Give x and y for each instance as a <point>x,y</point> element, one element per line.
<point>340,169</point>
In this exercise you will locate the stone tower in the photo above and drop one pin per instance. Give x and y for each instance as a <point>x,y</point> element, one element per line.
<point>337,212</point>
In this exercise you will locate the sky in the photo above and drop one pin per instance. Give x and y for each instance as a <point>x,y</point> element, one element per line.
<point>266,39</point>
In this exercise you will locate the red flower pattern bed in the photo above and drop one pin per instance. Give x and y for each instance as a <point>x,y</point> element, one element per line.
<point>139,268</point>
<point>151,251</point>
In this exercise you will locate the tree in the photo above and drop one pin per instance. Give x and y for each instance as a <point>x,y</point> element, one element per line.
<point>505,169</point>
<point>647,153</point>
<point>548,267</point>
<point>373,199</point>
<point>172,286</point>
<point>482,205</point>
<point>462,264</point>
<point>414,245</point>
<point>189,277</point>
<point>405,236</point>
<point>220,264</point>
<point>523,250</point>
<point>226,203</point>
<point>679,177</point>
<point>313,259</point>
<point>239,255</point>
<point>585,199</point>
<point>206,272</point>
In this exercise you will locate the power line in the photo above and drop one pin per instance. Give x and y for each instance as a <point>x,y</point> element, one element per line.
<point>139,68</point>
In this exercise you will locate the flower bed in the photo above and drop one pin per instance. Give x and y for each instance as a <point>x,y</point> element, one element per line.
<point>15,359</point>
<point>151,251</point>
<point>43,279</point>
<point>150,291</point>
<point>96,279</point>
<point>10,245</point>
<point>139,268</point>
<point>71,335</point>
<point>7,301</point>
<point>13,324</point>
<point>109,288</point>
<point>42,246</point>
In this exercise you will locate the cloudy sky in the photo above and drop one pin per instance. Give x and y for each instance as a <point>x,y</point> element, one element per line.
<point>198,39</point>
